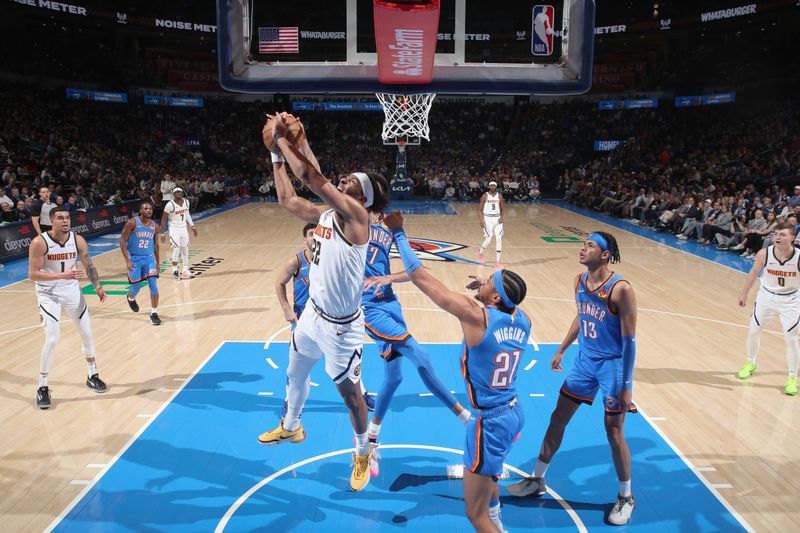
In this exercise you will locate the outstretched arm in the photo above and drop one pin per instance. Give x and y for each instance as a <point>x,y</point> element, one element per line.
<point>626,306</point>
<point>457,304</point>
<point>287,196</point>
<point>346,206</point>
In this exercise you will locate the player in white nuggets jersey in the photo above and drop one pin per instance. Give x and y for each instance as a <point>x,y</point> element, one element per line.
<point>177,210</point>
<point>332,324</point>
<point>52,261</point>
<point>777,296</point>
<point>491,211</point>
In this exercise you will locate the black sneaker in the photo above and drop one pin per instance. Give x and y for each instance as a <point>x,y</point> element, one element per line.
<point>96,384</point>
<point>154,319</point>
<point>43,397</point>
<point>175,275</point>
<point>133,305</point>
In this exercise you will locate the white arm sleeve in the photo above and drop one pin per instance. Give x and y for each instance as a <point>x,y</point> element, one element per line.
<point>189,217</point>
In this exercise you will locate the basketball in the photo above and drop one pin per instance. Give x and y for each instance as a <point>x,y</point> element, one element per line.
<point>295,133</point>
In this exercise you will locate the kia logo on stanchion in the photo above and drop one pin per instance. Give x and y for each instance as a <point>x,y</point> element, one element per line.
<point>123,209</point>
<point>81,218</point>
<point>103,213</point>
<point>24,230</point>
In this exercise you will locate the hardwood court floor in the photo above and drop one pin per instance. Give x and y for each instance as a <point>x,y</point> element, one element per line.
<point>691,334</point>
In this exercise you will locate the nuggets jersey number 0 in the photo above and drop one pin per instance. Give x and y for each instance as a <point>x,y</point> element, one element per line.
<point>600,333</point>
<point>337,269</point>
<point>59,258</point>
<point>781,277</point>
<point>490,367</point>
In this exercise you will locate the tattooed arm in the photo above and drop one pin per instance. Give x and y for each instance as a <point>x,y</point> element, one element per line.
<point>91,270</point>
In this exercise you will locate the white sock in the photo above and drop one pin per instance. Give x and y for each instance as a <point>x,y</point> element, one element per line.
<point>174,269</point>
<point>625,488</point>
<point>92,368</point>
<point>373,430</point>
<point>480,250</point>
<point>291,424</point>
<point>43,380</point>
<point>498,257</point>
<point>362,444</point>
<point>494,516</point>
<point>464,416</point>
<point>153,310</point>
<point>541,468</point>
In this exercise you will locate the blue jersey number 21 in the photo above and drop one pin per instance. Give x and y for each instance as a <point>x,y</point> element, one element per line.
<point>503,374</point>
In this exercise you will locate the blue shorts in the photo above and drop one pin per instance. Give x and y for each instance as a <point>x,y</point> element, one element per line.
<point>590,375</point>
<point>384,323</point>
<point>144,266</point>
<point>489,440</point>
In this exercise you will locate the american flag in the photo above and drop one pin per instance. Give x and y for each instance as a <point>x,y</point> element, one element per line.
<point>278,40</point>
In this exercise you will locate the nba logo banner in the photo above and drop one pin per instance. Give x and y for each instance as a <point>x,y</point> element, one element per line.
<point>542,30</point>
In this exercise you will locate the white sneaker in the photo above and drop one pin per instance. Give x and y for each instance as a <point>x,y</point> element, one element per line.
<point>530,486</point>
<point>187,274</point>
<point>621,512</point>
<point>375,460</point>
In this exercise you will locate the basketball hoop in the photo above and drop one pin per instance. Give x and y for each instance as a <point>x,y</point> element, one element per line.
<point>406,115</point>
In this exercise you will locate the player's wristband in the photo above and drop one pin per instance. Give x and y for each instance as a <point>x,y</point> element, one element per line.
<point>407,255</point>
<point>277,136</point>
<point>628,358</point>
<point>277,158</point>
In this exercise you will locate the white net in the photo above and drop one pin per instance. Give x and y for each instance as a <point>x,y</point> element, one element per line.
<point>406,115</point>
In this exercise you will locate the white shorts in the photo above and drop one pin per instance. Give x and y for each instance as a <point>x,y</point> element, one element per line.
<point>786,306</point>
<point>341,344</point>
<point>51,299</point>
<point>179,237</point>
<point>491,227</point>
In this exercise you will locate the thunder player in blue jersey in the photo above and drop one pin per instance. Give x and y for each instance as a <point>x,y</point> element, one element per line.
<point>296,269</point>
<point>384,322</point>
<point>138,247</point>
<point>605,326</point>
<point>495,336</point>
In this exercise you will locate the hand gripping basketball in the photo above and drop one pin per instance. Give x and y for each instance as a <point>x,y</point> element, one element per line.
<point>287,125</point>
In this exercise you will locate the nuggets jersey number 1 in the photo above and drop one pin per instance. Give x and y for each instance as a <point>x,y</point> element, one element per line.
<point>600,333</point>
<point>490,367</point>
<point>59,258</point>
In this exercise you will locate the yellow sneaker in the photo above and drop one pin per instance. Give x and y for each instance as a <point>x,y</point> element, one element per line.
<point>278,435</point>
<point>360,476</point>
<point>747,370</point>
<point>791,387</point>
